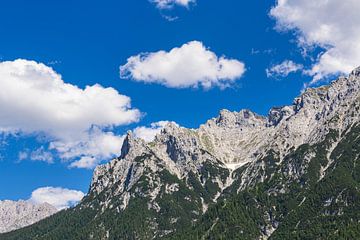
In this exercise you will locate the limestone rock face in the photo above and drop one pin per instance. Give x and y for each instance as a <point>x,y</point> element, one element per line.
<point>15,215</point>
<point>236,138</point>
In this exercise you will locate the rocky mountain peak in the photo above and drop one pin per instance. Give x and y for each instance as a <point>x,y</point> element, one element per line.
<point>130,144</point>
<point>355,72</point>
<point>170,127</point>
<point>244,118</point>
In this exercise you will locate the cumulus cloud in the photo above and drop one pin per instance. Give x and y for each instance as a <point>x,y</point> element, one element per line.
<point>94,147</point>
<point>149,133</point>
<point>283,69</point>
<point>191,65</point>
<point>61,198</point>
<point>167,4</point>
<point>35,100</point>
<point>330,25</point>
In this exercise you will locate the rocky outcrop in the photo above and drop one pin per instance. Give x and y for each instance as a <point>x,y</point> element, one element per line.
<point>15,215</point>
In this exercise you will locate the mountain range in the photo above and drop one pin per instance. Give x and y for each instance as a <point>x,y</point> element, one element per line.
<point>294,174</point>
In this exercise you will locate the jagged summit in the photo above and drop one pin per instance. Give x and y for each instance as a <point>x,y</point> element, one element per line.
<point>241,137</point>
<point>244,118</point>
<point>355,72</point>
<point>130,142</point>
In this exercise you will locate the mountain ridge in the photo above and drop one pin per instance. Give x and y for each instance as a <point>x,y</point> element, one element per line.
<point>239,169</point>
<point>245,121</point>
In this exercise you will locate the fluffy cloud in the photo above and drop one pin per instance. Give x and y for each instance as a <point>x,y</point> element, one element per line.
<point>283,69</point>
<point>166,4</point>
<point>35,100</point>
<point>190,65</point>
<point>149,133</point>
<point>60,198</point>
<point>331,25</point>
<point>94,147</point>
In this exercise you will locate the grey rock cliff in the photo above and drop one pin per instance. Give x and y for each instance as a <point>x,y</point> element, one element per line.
<point>15,215</point>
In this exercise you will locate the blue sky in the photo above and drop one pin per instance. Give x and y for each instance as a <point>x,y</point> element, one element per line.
<point>87,41</point>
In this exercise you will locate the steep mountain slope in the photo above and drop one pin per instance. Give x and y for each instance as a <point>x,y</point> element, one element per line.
<point>15,215</point>
<point>291,175</point>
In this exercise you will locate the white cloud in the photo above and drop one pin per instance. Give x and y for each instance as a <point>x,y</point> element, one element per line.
<point>39,154</point>
<point>35,100</point>
<point>167,4</point>
<point>92,149</point>
<point>86,161</point>
<point>329,24</point>
<point>149,133</point>
<point>190,65</point>
<point>60,198</point>
<point>42,155</point>
<point>283,69</point>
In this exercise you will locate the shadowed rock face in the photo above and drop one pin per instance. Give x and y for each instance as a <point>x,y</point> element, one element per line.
<point>15,215</point>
